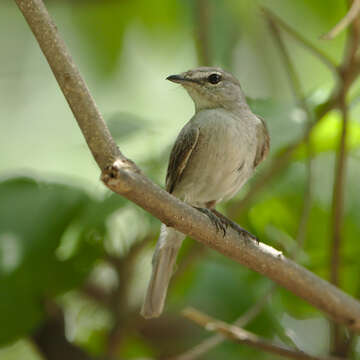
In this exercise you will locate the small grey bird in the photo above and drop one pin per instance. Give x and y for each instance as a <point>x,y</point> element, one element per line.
<point>213,156</point>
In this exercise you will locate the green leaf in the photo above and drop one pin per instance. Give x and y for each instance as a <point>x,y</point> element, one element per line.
<point>33,217</point>
<point>37,219</point>
<point>281,117</point>
<point>103,26</point>
<point>123,125</point>
<point>326,135</point>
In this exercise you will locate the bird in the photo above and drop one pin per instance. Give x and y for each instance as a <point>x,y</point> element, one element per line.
<point>215,153</point>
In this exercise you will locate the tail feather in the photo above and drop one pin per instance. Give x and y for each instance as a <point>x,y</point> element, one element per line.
<point>163,262</point>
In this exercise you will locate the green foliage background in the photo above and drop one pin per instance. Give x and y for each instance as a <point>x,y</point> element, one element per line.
<point>62,233</point>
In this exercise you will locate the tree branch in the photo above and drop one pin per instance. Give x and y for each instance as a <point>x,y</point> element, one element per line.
<point>348,67</point>
<point>208,344</point>
<point>202,22</point>
<point>71,83</point>
<point>322,56</point>
<point>344,22</point>
<point>239,335</point>
<point>338,200</point>
<point>239,247</point>
<point>124,178</point>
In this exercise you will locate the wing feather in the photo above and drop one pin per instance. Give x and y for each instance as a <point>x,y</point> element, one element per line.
<point>180,155</point>
<point>263,141</point>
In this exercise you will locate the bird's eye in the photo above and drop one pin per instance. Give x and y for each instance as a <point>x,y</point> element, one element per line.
<point>214,78</point>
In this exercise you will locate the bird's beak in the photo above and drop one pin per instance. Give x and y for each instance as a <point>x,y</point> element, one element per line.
<point>182,79</point>
<point>177,78</point>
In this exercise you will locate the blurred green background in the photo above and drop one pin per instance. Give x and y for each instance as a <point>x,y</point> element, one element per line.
<point>75,259</point>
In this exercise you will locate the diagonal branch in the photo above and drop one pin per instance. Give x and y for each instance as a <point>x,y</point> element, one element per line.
<point>71,83</point>
<point>288,65</point>
<point>124,178</point>
<point>208,344</point>
<point>322,56</point>
<point>241,336</point>
<point>237,246</point>
<point>344,22</point>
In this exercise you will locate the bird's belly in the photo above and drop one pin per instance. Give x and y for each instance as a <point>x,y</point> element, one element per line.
<point>214,187</point>
<point>219,167</point>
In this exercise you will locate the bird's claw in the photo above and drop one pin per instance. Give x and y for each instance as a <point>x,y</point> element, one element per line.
<point>217,221</point>
<point>222,223</point>
<point>246,234</point>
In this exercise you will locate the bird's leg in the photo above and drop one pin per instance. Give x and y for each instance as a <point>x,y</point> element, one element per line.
<point>221,222</point>
<point>218,222</point>
<point>227,222</point>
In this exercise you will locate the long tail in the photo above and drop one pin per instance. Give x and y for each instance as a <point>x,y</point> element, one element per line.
<point>163,262</point>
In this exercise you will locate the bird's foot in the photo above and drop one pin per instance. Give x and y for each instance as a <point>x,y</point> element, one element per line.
<point>226,222</point>
<point>217,221</point>
<point>246,234</point>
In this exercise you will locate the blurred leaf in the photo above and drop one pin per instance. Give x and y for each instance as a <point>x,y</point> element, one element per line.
<point>276,212</point>
<point>134,347</point>
<point>22,349</point>
<point>103,25</point>
<point>224,33</point>
<point>123,125</point>
<point>87,323</point>
<point>225,284</point>
<point>302,334</point>
<point>281,118</point>
<point>34,218</point>
<point>32,221</point>
<point>325,135</point>
<point>225,290</point>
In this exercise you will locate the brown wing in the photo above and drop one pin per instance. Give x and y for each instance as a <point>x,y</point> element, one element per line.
<point>180,154</point>
<point>263,140</point>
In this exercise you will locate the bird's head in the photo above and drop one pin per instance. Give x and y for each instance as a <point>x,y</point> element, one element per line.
<point>211,87</point>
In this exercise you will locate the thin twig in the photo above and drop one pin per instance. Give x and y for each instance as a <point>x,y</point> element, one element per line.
<point>307,203</point>
<point>281,161</point>
<point>124,178</point>
<point>322,56</point>
<point>202,24</point>
<point>337,218</point>
<point>348,68</point>
<point>299,96</point>
<point>345,76</point>
<point>241,336</point>
<point>213,341</point>
<point>338,200</point>
<point>344,22</point>
<point>294,80</point>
